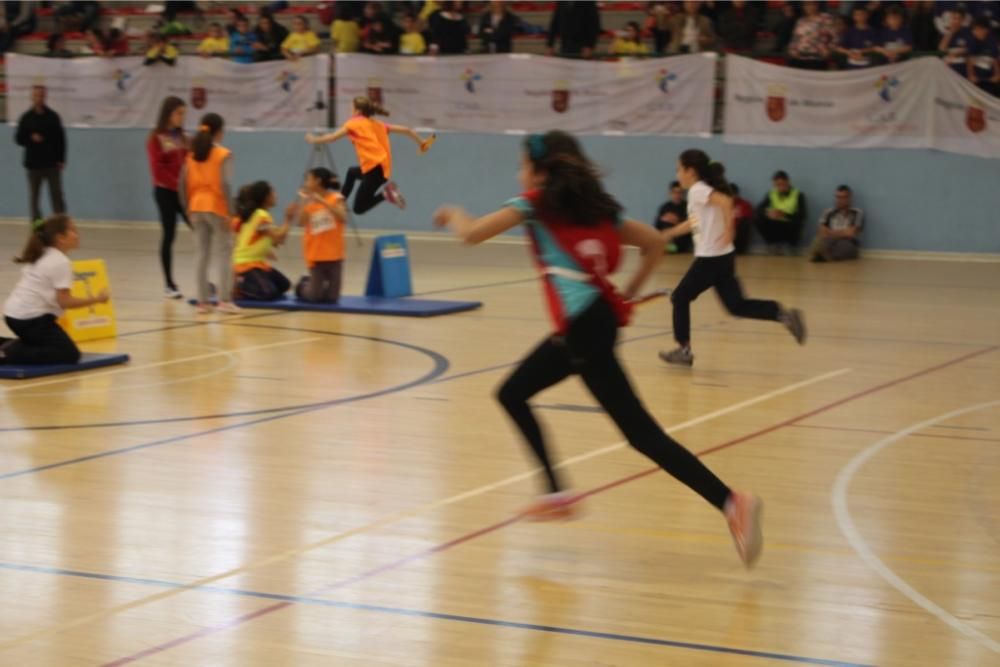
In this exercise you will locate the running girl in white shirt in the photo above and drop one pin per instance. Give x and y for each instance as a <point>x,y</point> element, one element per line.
<point>710,222</point>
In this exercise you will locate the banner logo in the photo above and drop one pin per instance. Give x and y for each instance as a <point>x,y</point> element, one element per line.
<point>470,77</point>
<point>775,104</point>
<point>884,85</point>
<point>663,79</point>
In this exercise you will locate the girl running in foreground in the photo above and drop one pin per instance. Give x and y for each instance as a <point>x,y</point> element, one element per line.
<point>577,232</point>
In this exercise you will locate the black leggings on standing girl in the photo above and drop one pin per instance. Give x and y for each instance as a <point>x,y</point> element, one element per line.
<point>588,350</point>
<point>169,204</point>
<point>368,196</point>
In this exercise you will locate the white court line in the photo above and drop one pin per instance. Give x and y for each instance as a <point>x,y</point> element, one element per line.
<point>850,531</point>
<point>391,519</point>
<point>158,364</point>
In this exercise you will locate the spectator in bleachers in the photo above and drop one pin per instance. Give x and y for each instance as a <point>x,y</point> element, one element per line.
<point>449,29</point>
<point>691,31</point>
<point>301,42</point>
<point>77,16</point>
<point>739,22</point>
<point>160,50</point>
<point>345,33</point>
<point>630,44</point>
<point>216,43</point>
<point>496,28</point>
<point>657,25</point>
<point>781,214</point>
<point>233,20</point>
<point>945,18</point>
<point>896,38</point>
<point>40,132</point>
<point>839,227</point>
<point>982,66</point>
<point>955,42</point>
<point>576,26</point>
<point>429,8</point>
<point>270,36</point>
<point>241,42</point>
<point>858,45</point>
<point>412,42</point>
<point>381,37</point>
<point>742,220</point>
<point>876,12</point>
<point>16,20</point>
<point>55,46</point>
<point>672,213</point>
<point>371,12</point>
<point>785,27</point>
<point>925,34</point>
<point>111,45</point>
<point>812,39</point>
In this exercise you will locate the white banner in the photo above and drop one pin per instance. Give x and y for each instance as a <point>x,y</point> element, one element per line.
<point>779,106</point>
<point>526,93</point>
<point>964,118</point>
<point>122,92</point>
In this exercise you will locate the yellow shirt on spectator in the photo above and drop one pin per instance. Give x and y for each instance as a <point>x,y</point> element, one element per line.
<point>412,43</point>
<point>211,45</point>
<point>625,47</point>
<point>300,42</point>
<point>346,36</point>
<point>169,52</point>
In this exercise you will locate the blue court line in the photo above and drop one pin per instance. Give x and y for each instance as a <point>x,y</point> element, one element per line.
<point>568,407</point>
<point>441,365</point>
<point>439,616</point>
<point>269,411</point>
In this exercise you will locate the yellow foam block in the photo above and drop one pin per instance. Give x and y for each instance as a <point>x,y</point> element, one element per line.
<point>96,321</point>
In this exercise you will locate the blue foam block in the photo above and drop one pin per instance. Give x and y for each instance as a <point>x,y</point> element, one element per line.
<point>87,361</point>
<point>371,305</point>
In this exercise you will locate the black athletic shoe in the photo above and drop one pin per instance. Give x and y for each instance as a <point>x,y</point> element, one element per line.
<point>795,322</point>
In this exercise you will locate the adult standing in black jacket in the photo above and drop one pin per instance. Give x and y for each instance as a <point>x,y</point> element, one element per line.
<point>576,25</point>
<point>496,28</point>
<point>40,131</point>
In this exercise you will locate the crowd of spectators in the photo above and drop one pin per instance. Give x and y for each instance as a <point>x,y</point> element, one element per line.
<point>809,35</point>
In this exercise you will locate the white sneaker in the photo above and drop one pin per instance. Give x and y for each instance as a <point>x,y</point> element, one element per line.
<point>229,308</point>
<point>173,293</point>
<point>743,512</point>
<point>394,196</point>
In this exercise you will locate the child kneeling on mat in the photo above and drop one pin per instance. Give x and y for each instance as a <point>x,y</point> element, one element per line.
<point>256,238</point>
<point>323,216</point>
<point>41,296</point>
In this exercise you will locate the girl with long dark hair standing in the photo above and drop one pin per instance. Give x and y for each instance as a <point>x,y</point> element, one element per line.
<point>577,231</point>
<point>167,149</point>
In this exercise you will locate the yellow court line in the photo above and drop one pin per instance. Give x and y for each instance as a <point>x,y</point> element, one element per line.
<point>399,516</point>
<point>158,364</point>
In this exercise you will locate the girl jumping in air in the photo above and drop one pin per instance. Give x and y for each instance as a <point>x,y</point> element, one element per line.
<point>710,221</point>
<point>371,141</point>
<point>577,232</point>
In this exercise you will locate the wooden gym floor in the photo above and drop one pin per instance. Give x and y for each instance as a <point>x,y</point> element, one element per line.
<point>305,489</point>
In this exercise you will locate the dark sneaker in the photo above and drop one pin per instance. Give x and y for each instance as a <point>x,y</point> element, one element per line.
<point>795,322</point>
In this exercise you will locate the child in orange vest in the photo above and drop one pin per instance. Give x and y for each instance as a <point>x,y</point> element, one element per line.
<point>371,141</point>
<point>323,215</point>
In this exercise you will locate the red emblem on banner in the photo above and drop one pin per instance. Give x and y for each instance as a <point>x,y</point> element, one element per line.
<point>375,94</point>
<point>975,119</point>
<point>199,97</point>
<point>560,101</point>
<point>776,108</point>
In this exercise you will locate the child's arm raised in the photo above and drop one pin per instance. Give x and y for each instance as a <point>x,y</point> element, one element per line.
<point>423,144</point>
<point>474,231</point>
<point>315,139</point>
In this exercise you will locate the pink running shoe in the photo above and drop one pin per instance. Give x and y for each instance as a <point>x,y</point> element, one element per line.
<point>743,512</point>
<point>203,308</point>
<point>552,507</point>
<point>228,308</point>
<point>393,195</point>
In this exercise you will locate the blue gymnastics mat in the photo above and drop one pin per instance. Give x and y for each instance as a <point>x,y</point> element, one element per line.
<point>370,305</point>
<point>87,361</point>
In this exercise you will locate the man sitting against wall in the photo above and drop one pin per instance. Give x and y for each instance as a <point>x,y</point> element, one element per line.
<point>839,227</point>
<point>781,214</point>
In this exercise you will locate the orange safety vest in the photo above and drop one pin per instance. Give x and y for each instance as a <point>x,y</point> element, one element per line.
<point>203,183</point>
<point>324,237</point>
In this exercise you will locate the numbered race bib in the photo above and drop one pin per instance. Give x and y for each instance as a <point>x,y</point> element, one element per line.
<point>322,221</point>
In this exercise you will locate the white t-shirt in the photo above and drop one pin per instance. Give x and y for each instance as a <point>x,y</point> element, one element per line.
<point>708,223</point>
<point>35,293</point>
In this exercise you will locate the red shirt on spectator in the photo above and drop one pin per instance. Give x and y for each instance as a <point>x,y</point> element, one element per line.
<point>166,152</point>
<point>742,210</point>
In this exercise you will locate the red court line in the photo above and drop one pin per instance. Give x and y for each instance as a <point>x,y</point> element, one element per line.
<point>420,555</point>
<point>936,436</point>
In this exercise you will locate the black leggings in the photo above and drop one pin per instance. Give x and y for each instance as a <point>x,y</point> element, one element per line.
<point>588,349</point>
<point>371,181</point>
<point>720,273</point>
<point>169,204</point>
<point>261,285</point>
<point>40,340</point>
<point>323,283</point>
